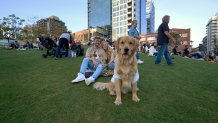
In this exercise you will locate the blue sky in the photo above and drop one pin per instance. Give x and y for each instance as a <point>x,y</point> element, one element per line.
<point>193,14</point>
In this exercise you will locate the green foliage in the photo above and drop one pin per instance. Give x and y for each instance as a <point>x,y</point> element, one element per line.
<point>1,31</point>
<point>31,32</point>
<point>37,90</point>
<point>176,37</point>
<point>11,25</point>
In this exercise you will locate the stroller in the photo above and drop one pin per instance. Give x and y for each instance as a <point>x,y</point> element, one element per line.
<point>50,46</point>
<point>77,49</point>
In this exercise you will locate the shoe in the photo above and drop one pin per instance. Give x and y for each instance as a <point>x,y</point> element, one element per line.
<point>171,63</point>
<point>139,61</point>
<point>80,77</point>
<point>159,64</point>
<point>89,80</point>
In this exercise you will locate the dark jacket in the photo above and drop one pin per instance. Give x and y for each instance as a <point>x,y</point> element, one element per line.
<point>162,37</point>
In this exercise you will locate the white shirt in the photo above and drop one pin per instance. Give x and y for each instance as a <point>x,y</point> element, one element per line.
<point>152,50</point>
<point>117,76</point>
<point>37,40</point>
<point>65,35</point>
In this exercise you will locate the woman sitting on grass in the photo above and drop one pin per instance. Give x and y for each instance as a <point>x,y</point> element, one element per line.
<point>109,62</point>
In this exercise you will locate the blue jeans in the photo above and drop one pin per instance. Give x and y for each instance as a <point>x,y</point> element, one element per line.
<point>137,55</point>
<point>89,64</point>
<point>163,51</point>
<point>111,66</point>
<point>62,42</point>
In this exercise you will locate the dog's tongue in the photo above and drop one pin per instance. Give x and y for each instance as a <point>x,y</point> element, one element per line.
<point>125,56</point>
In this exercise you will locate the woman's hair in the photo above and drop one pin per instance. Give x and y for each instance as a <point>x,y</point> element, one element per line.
<point>108,53</point>
<point>134,21</point>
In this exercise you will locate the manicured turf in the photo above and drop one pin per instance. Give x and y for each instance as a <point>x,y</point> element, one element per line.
<point>38,90</point>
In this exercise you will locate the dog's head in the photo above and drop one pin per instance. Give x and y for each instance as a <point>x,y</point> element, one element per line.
<point>126,46</point>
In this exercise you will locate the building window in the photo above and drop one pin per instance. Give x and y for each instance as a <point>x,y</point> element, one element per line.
<point>184,35</point>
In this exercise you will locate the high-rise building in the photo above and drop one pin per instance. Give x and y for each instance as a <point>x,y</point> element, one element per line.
<point>150,15</point>
<point>212,33</point>
<point>53,25</point>
<point>99,15</point>
<point>123,12</point>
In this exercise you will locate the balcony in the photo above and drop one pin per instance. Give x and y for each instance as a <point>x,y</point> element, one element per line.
<point>129,12</point>
<point>129,7</point>
<point>129,18</point>
<point>128,1</point>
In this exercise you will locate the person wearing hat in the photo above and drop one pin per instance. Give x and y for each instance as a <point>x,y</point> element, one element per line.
<point>93,60</point>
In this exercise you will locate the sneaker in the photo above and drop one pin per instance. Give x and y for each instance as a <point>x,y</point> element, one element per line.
<point>80,77</point>
<point>89,80</point>
<point>172,63</point>
<point>139,61</point>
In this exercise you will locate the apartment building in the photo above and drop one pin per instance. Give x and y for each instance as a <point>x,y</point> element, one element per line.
<point>212,33</point>
<point>53,25</point>
<point>123,12</point>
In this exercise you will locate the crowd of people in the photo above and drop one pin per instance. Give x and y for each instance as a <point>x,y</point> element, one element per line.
<point>100,54</point>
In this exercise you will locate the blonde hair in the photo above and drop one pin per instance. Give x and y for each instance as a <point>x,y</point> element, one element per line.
<point>108,51</point>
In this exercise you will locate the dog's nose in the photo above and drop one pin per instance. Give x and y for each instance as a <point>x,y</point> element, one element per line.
<point>126,50</point>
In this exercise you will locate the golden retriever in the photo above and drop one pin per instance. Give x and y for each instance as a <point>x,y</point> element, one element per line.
<point>126,70</point>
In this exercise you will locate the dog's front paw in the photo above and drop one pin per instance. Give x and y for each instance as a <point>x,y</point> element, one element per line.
<point>118,102</point>
<point>135,99</point>
<point>112,93</point>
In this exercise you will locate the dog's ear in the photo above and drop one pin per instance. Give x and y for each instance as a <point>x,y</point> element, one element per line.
<point>116,44</point>
<point>136,42</point>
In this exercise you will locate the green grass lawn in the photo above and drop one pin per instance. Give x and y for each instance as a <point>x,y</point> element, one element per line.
<point>38,90</point>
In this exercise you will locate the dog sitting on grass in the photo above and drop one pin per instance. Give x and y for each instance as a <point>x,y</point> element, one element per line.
<point>126,70</point>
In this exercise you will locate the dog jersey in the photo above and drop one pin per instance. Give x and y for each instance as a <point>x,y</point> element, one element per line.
<point>117,76</point>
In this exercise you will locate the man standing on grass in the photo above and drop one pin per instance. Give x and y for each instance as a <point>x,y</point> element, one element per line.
<point>163,41</point>
<point>133,32</point>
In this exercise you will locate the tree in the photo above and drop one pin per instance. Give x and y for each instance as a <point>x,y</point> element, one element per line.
<point>11,26</point>
<point>176,37</point>
<point>31,32</point>
<point>1,31</point>
<point>191,42</point>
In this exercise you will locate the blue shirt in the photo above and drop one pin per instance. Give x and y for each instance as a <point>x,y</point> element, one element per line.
<point>162,37</point>
<point>133,32</point>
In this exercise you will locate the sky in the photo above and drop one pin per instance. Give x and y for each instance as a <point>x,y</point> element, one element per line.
<point>193,14</point>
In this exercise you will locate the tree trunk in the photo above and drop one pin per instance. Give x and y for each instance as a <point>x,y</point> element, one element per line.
<point>8,39</point>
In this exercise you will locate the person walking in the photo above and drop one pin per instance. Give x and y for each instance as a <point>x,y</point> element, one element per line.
<point>163,41</point>
<point>133,32</point>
